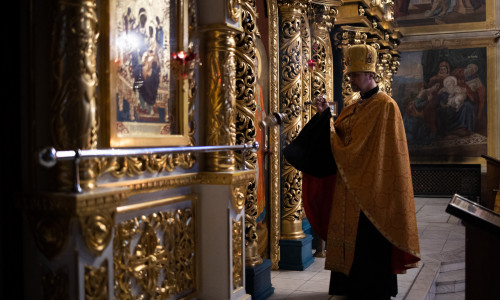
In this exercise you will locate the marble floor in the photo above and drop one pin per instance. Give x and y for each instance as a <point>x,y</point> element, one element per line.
<point>439,232</point>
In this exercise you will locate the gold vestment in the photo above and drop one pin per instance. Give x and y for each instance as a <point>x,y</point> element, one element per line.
<point>374,176</point>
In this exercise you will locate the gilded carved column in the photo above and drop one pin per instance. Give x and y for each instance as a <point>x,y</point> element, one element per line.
<point>246,131</point>
<point>220,62</point>
<point>291,63</point>
<point>73,123</point>
<point>322,74</point>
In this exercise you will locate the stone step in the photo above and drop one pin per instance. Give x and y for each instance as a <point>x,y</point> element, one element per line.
<point>424,287</point>
<point>450,282</point>
<point>451,260</point>
<point>453,296</point>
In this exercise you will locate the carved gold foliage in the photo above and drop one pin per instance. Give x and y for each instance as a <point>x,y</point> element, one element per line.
<point>96,282</point>
<point>246,131</point>
<point>237,254</point>
<point>97,231</point>
<point>233,10</point>
<point>322,76</point>
<point>154,255</point>
<point>246,80</point>
<point>291,64</point>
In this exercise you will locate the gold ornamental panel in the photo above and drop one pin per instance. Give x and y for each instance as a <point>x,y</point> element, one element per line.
<point>154,255</point>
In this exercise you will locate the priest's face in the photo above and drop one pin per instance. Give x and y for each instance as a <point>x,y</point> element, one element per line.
<point>361,81</point>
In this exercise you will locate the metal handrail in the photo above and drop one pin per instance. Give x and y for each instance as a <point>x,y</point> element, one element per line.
<point>48,157</point>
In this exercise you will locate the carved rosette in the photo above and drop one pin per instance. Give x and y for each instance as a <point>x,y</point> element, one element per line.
<point>291,64</point>
<point>238,196</point>
<point>154,255</point>
<point>246,131</point>
<point>73,123</point>
<point>220,64</point>
<point>50,215</point>
<point>97,230</point>
<point>96,282</point>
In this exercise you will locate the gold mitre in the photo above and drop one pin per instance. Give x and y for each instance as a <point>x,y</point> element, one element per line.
<point>360,58</point>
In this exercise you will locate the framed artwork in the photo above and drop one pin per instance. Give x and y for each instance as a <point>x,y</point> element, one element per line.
<point>147,98</point>
<point>447,99</point>
<point>415,17</point>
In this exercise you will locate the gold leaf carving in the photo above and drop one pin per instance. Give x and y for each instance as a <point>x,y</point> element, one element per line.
<point>237,254</point>
<point>96,282</point>
<point>154,255</point>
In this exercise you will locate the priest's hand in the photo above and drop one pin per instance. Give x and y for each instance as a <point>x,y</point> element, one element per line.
<point>321,103</point>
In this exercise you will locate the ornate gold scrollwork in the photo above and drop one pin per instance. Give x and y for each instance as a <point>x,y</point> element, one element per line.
<point>96,282</point>
<point>322,76</point>
<point>97,231</point>
<point>305,35</point>
<point>246,130</point>
<point>291,65</point>
<point>237,232</point>
<point>154,255</point>
<point>233,10</point>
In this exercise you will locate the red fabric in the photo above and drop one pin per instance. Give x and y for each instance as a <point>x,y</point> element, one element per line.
<point>317,199</point>
<point>401,261</point>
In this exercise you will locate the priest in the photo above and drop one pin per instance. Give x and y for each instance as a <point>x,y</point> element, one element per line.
<point>361,177</point>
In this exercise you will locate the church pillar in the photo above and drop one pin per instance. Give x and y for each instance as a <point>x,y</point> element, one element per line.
<point>220,71</point>
<point>296,250</point>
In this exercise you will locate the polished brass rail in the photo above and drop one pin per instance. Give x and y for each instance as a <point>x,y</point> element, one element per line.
<point>49,156</point>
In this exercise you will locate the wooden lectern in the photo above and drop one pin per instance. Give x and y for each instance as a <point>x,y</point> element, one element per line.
<point>492,181</point>
<point>482,247</point>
